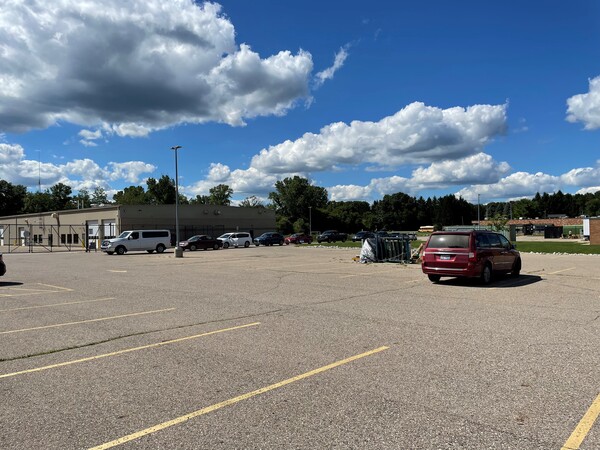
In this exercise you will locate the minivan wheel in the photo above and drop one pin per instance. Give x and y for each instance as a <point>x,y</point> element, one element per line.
<point>516,269</point>
<point>246,244</point>
<point>225,244</point>
<point>160,248</point>
<point>120,250</point>
<point>486,274</point>
<point>192,248</point>
<point>434,278</point>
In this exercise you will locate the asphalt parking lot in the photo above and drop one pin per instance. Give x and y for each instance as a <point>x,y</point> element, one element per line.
<point>295,347</point>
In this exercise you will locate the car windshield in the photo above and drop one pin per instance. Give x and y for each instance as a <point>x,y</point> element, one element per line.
<point>225,236</point>
<point>449,241</point>
<point>124,234</point>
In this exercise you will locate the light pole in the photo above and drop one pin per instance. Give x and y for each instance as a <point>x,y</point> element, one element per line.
<point>178,250</point>
<point>310,221</point>
<point>478,222</point>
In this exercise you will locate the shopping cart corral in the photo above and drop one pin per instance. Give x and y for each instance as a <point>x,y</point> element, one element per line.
<point>387,249</point>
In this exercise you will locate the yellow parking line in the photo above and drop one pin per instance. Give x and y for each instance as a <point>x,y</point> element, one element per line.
<point>117,271</point>
<point>583,427</point>
<point>563,270</point>
<point>56,287</point>
<point>57,304</point>
<point>127,350</point>
<point>35,291</point>
<point>231,401</point>
<point>85,321</point>
<point>27,289</point>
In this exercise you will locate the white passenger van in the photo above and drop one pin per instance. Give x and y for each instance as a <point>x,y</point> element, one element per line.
<point>138,240</point>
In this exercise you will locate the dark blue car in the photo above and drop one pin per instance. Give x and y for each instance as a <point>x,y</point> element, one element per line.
<point>270,238</point>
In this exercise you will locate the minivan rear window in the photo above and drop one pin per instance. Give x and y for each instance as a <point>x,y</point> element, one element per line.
<point>449,241</point>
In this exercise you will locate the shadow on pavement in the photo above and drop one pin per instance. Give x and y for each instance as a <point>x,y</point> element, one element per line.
<point>498,281</point>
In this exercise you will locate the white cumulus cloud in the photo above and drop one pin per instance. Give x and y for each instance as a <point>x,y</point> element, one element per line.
<point>416,134</point>
<point>136,66</point>
<point>475,169</point>
<point>79,174</point>
<point>585,108</point>
<point>327,74</point>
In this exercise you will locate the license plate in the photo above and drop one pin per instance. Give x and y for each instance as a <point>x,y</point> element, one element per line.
<point>444,257</point>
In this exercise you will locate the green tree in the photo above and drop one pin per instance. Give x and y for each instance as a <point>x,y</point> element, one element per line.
<point>592,207</point>
<point>132,195</point>
<point>499,222</point>
<point>183,200</point>
<point>82,199</point>
<point>161,192</point>
<point>200,200</point>
<point>251,202</point>
<point>99,197</point>
<point>396,212</point>
<point>300,226</point>
<point>61,197</point>
<point>348,216</point>
<point>293,198</point>
<point>450,210</point>
<point>36,202</point>
<point>12,198</point>
<point>220,195</point>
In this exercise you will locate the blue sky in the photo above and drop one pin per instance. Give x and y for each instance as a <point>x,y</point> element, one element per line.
<point>500,100</point>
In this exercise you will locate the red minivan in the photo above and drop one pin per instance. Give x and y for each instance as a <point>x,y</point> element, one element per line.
<point>472,254</point>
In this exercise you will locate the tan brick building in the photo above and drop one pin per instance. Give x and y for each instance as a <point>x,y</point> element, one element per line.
<point>73,229</point>
<point>595,230</point>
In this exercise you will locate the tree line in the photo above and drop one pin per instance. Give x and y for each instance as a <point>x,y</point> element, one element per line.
<point>301,207</point>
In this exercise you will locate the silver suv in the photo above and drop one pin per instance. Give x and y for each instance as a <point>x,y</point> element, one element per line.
<point>237,239</point>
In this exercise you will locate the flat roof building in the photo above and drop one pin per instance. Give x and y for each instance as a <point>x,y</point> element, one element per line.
<point>85,228</point>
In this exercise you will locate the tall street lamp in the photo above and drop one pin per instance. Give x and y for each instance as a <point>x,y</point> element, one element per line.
<point>178,250</point>
<point>310,220</point>
<point>478,221</point>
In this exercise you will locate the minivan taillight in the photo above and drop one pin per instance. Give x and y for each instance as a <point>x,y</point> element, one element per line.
<point>472,257</point>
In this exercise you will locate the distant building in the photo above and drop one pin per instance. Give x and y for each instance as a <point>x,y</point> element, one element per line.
<point>78,228</point>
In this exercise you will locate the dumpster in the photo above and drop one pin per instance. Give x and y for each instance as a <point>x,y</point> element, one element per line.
<point>552,232</point>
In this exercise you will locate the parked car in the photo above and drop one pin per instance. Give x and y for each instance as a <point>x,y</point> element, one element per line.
<point>471,254</point>
<point>236,239</point>
<point>270,238</point>
<point>2,266</point>
<point>298,238</point>
<point>331,236</point>
<point>362,235</point>
<point>200,241</point>
<point>138,240</point>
